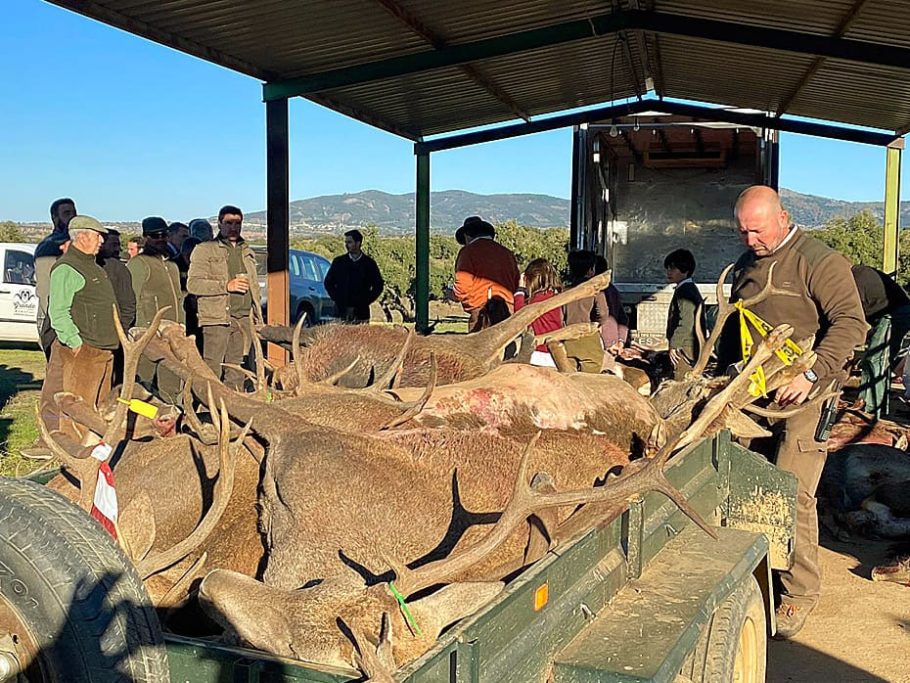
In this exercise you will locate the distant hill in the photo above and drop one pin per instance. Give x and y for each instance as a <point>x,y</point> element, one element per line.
<point>813,211</point>
<point>396,214</point>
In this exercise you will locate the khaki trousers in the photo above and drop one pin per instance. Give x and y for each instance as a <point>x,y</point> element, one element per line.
<point>159,380</point>
<point>226,344</point>
<point>53,383</point>
<point>799,453</point>
<point>86,374</point>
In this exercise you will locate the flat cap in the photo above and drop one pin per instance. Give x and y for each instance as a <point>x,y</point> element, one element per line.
<point>87,223</point>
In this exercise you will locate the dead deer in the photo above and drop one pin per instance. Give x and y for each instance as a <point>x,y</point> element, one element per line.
<point>172,493</point>
<point>369,350</point>
<point>345,509</point>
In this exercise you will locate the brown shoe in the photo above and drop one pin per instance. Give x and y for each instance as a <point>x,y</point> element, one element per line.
<point>790,619</point>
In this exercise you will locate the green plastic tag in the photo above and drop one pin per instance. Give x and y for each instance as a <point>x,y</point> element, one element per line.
<point>404,609</point>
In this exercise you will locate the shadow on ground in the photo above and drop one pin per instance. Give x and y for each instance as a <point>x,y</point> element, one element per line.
<point>12,381</point>
<point>791,661</point>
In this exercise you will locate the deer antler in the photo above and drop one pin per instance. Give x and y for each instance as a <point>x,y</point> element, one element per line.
<point>224,488</point>
<point>636,478</point>
<point>389,377</point>
<point>576,331</point>
<point>376,662</point>
<point>86,471</point>
<point>726,308</point>
<point>418,405</point>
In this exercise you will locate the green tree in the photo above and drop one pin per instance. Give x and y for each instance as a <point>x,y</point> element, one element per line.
<point>858,237</point>
<point>10,232</point>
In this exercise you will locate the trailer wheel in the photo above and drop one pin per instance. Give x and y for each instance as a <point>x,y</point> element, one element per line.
<point>72,608</point>
<point>733,646</point>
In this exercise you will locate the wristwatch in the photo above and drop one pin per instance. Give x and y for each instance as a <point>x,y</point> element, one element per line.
<point>811,376</point>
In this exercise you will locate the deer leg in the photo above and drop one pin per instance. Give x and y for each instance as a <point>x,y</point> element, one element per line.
<point>560,357</point>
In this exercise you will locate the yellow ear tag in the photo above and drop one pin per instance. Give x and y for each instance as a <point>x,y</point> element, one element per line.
<point>141,407</point>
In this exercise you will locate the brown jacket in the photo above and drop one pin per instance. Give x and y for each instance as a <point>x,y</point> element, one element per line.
<point>208,278</point>
<point>827,305</point>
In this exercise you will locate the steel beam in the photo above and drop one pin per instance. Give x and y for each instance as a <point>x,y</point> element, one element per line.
<point>566,32</point>
<point>277,212</point>
<point>422,271</point>
<point>639,106</point>
<point>892,206</point>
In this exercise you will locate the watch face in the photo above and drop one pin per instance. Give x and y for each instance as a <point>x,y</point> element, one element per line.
<point>811,376</point>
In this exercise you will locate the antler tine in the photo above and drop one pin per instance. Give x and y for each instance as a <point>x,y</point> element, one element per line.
<point>377,664</point>
<point>212,406</point>
<point>768,290</point>
<point>132,352</point>
<point>785,413</point>
<point>385,381</point>
<point>418,405</point>
<point>724,310</point>
<point>731,395</point>
<point>297,354</point>
<point>224,489</point>
<point>699,326</point>
<point>81,466</point>
<point>260,379</point>
<point>249,374</point>
<point>334,378</point>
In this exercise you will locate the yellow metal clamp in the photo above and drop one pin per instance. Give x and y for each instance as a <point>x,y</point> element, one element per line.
<point>787,353</point>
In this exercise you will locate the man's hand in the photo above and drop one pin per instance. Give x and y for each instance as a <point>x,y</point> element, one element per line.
<point>794,393</point>
<point>239,285</point>
<point>675,357</point>
<point>77,349</point>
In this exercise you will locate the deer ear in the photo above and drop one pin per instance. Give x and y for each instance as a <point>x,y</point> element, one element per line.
<point>137,524</point>
<point>745,427</point>
<point>451,603</point>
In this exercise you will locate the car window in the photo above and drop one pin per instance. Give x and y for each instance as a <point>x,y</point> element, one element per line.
<point>262,262</point>
<point>18,268</point>
<point>323,267</point>
<point>294,265</point>
<point>309,267</point>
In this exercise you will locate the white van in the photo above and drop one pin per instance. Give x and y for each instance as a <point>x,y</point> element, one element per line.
<point>18,296</point>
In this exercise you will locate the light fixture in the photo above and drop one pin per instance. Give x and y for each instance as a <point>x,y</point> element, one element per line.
<point>637,126</point>
<point>614,130</point>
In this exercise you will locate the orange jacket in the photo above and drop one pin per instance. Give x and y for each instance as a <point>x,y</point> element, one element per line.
<point>485,269</point>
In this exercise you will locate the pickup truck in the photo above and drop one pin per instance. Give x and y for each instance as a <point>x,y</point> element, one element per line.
<point>647,598</point>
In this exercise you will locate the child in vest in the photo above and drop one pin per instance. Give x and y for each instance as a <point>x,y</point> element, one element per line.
<point>685,308</point>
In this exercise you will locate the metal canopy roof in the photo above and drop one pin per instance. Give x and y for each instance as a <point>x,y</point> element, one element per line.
<point>423,67</point>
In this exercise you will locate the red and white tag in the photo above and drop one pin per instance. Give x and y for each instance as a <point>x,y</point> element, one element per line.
<point>104,506</point>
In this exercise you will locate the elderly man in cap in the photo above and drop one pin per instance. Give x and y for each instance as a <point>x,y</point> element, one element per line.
<point>486,275</point>
<point>81,309</point>
<point>156,284</point>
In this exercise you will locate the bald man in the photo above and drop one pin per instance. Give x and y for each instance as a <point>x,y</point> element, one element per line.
<point>827,306</point>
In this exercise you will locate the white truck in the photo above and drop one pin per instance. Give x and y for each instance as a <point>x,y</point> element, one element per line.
<point>18,295</point>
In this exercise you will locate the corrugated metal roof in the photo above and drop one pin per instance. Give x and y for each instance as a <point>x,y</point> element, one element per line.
<point>277,40</point>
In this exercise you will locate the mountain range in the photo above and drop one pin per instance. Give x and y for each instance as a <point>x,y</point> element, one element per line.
<point>395,213</point>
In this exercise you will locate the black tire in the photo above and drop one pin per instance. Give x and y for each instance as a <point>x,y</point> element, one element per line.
<point>733,646</point>
<point>310,320</point>
<point>71,596</point>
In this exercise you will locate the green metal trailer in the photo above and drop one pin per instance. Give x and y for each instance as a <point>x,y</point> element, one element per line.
<point>649,597</point>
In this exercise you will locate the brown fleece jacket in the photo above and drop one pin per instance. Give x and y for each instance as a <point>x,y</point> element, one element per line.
<point>828,305</point>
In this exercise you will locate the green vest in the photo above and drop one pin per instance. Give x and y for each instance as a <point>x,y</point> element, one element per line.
<point>161,288</point>
<point>93,305</point>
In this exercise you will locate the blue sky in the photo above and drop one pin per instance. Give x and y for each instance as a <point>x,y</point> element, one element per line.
<point>130,128</point>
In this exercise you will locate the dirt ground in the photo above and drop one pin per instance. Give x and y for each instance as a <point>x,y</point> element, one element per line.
<point>860,632</point>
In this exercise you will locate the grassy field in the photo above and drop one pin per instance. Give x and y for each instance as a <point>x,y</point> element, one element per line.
<point>21,374</point>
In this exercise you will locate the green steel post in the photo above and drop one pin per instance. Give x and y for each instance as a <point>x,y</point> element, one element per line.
<point>892,205</point>
<point>423,241</point>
